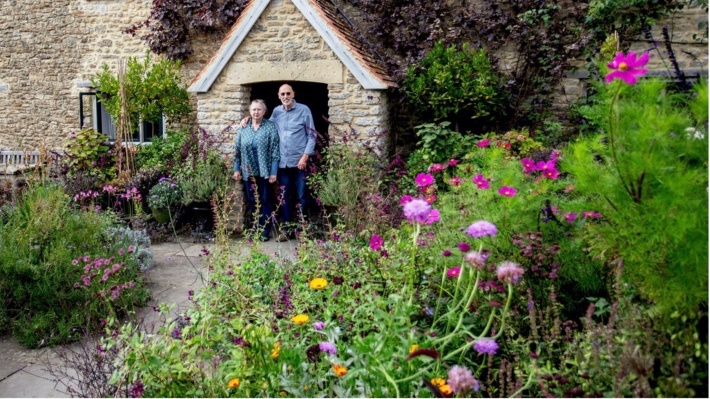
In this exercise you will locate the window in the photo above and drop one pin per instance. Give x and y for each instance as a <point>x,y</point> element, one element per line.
<point>93,114</point>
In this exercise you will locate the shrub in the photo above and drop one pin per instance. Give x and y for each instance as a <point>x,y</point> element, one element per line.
<point>165,195</point>
<point>89,152</point>
<point>162,153</point>
<point>206,179</point>
<point>50,293</point>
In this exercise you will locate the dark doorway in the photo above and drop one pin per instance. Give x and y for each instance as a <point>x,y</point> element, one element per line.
<point>314,95</point>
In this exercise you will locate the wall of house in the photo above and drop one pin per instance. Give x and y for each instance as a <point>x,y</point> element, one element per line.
<point>283,46</point>
<point>49,50</point>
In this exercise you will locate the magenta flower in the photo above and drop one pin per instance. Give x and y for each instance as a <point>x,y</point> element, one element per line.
<point>591,215</point>
<point>627,67</point>
<point>528,165</point>
<point>543,166</point>
<point>483,143</point>
<point>507,191</point>
<point>481,228</point>
<point>328,347</point>
<point>453,162</point>
<point>446,253</point>
<point>424,180</point>
<point>376,242</point>
<point>464,246</point>
<point>453,272</point>
<point>551,173</point>
<point>486,346</point>
<point>461,380</point>
<point>436,168</point>
<point>405,199</point>
<point>433,217</point>
<point>509,272</point>
<point>455,181</point>
<point>481,182</point>
<point>570,217</point>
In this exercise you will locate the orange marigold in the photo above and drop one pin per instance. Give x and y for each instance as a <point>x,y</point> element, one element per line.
<point>339,370</point>
<point>233,383</point>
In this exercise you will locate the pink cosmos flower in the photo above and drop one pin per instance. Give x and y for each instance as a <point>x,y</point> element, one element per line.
<point>405,199</point>
<point>432,217</point>
<point>509,272</point>
<point>481,182</point>
<point>570,217</point>
<point>481,228</point>
<point>376,242</point>
<point>528,165</point>
<point>507,191</point>
<point>627,67</point>
<point>483,143</point>
<point>455,181</point>
<point>453,272</point>
<point>424,180</point>
<point>551,173</point>
<point>436,168</point>
<point>591,215</point>
<point>431,198</point>
<point>453,162</point>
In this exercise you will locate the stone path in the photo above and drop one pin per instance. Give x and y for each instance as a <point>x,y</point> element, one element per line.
<point>23,371</point>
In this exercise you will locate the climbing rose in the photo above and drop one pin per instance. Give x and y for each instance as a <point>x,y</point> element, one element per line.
<point>627,67</point>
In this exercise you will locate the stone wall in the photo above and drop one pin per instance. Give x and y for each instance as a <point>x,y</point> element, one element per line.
<point>283,46</point>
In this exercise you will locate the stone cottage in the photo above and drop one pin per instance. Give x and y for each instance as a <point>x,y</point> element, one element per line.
<point>50,49</point>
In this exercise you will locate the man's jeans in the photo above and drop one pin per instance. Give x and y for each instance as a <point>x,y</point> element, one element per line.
<point>293,181</point>
<point>266,204</point>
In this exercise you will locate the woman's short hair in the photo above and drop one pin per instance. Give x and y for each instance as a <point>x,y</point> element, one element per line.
<point>260,101</point>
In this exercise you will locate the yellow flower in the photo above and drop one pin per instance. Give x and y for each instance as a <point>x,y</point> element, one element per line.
<point>446,390</point>
<point>265,384</point>
<point>300,319</point>
<point>413,348</point>
<point>276,350</point>
<point>233,383</point>
<point>318,283</point>
<point>438,382</point>
<point>339,370</point>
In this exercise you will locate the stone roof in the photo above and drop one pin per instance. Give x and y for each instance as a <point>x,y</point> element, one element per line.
<point>331,25</point>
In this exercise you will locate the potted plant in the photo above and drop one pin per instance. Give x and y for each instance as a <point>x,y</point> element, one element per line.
<point>201,184</point>
<point>163,198</point>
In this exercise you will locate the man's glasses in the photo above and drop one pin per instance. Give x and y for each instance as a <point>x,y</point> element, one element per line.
<point>288,93</point>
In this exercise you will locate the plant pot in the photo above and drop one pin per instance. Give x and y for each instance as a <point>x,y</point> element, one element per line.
<point>161,215</point>
<point>201,215</point>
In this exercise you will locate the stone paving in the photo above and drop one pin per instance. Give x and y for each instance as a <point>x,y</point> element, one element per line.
<point>177,267</point>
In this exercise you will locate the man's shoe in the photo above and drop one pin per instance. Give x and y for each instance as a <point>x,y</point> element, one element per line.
<point>282,237</point>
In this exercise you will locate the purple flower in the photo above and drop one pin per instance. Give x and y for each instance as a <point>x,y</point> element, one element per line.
<point>419,211</point>
<point>551,173</point>
<point>453,272</point>
<point>528,165</point>
<point>376,242</point>
<point>464,246</point>
<point>509,272</point>
<point>131,249</point>
<point>481,182</point>
<point>486,346</point>
<point>328,347</point>
<point>432,217</point>
<point>405,199</point>
<point>476,259</point>
<point>176,333</point>
<point>461,380</point>
<point>137,389</point>
<point>507,191</point>
<point>424,180</point>
<point>318,325</point>
<point>627,67</point>
<point>483,143</point>
<point>481,228</point>
<point>446,253</point>
<point>436,168</point>
<point>570,217</point>
<point>591,215</point>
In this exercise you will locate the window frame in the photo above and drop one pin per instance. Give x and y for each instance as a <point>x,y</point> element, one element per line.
<point>98,111</point>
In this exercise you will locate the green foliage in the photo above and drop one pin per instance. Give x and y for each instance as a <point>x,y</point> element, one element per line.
<point>627,17</point>
<point>89,152</point>
<point>206,179</point>
<point>437,143</point>
<point>151,89</point>
<point>455,84</point>
<point>162,153</point>
<point>647,177</point>
<point>165,195</point>
<point>42,250</point>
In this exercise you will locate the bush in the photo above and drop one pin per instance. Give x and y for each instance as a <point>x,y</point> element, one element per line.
<point>165,195</point>
<point>90,153</point>
<point>61,274</point>
<point>162,153</point>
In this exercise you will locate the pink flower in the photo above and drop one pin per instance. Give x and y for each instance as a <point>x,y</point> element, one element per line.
<point>446,253</point>
<point>431,198</point>
<point>627,67</point>
<point>405,199</point>
<point>461,380</point>
<point>528,165</point>
<point>483,143</point>
<point>419,211</point>
<point>509,272</point>
<point>376,242</point>
<point>570,217</point>
<point>591,215</point>
<point>476,259</point>
<point>433,217</point>
<point>121,251</point>
<point>463,246</point>
<point>453,272</point>
<point>131,249</point>
<point>436,168</point>
<point>453,162</point>
<point>318,325</point>
<point>551,173</point>
<point>481,182</point>
<point>455,181</point>
<point>75,262</point>
<point>507,191</point>
<point>424,179</point>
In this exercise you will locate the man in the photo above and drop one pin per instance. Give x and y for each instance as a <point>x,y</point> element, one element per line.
<point>297,141</point>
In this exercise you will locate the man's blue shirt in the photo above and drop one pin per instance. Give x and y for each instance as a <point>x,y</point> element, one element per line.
<point>297,133</point>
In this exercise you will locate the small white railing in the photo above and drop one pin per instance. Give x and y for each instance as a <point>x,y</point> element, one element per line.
<point>19,158</point>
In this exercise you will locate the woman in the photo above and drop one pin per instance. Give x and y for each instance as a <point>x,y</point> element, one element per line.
<point>256,160</point>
